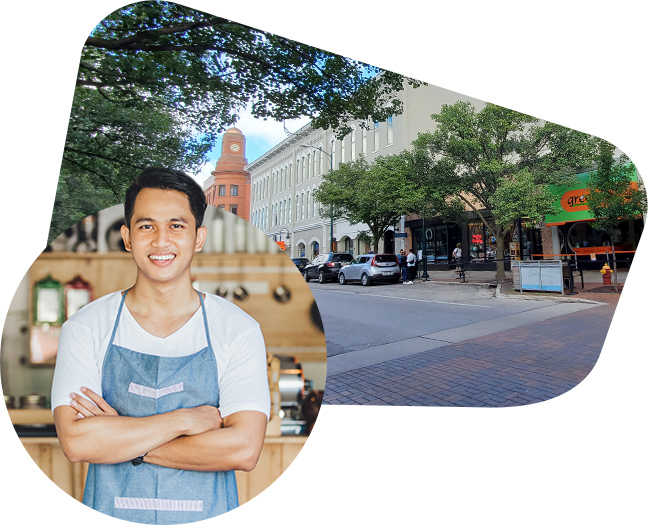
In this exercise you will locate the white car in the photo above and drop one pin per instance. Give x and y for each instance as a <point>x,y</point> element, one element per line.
<point>371,268</point>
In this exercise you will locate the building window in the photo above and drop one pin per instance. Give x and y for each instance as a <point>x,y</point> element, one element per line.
<point>233,190</point>
<point>364,141</point>
<point>342,150</point>
<point>376,136</point>
<point>298,208</point>
<point>221,206</point>
<point>353,144</point>
<point>308,205</point>
<point>221,190</point>
<point>308,170</point>
<point>333,152</point>
<point>390,130</point>
<point>289,211</point>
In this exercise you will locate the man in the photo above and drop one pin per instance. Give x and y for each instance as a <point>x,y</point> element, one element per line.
<point>402,262</point>
<point>162,389</point>
<point>411,266</point>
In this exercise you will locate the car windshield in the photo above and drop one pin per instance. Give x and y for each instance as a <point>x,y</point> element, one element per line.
<point>342,257</point>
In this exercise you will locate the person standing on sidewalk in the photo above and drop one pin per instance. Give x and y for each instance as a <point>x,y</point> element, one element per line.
<point>411,265</point>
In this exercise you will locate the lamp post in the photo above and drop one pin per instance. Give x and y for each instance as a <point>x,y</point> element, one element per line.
<point>331,169</point>
<point>281,235</point>
<point>287,234</point>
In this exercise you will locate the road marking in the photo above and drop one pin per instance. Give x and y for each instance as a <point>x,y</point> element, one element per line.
<point>401,298</point>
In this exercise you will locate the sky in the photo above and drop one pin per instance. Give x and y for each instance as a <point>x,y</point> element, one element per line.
<point>579,458</point>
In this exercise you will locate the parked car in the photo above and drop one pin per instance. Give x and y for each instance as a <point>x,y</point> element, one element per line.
<point>371,268</point>
<point>300,262</point>
<point>325,266</point>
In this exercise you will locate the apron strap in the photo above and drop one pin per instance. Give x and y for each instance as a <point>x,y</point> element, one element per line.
<point>204,312</point>
<point>121,306</point>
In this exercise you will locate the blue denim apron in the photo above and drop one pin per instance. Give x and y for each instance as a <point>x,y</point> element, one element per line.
<point>138,385</point>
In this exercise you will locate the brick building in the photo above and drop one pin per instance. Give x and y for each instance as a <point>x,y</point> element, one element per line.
<point>230,188</point>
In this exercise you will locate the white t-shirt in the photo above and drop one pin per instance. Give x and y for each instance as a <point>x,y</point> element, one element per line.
<point>411,259</point>
<point>236,339</point>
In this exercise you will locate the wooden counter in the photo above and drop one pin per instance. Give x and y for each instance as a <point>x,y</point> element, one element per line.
<point>278,453</point>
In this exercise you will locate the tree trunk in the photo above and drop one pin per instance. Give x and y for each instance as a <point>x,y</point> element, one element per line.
<point>499,246</point>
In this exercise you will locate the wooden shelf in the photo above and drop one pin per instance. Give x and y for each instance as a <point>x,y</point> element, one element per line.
<point>29,416</point>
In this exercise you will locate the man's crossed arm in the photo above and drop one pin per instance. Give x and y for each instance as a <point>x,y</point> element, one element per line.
<point>187,439</point>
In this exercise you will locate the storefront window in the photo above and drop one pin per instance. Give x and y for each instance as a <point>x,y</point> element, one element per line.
<point>438,238</point>
<point>480,244</point>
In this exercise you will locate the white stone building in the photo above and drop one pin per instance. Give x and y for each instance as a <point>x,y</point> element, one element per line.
<point>283,179</point>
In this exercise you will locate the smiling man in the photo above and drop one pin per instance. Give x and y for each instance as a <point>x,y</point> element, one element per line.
<point>162,389</point>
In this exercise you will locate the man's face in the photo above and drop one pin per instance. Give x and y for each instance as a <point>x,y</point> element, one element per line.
<point>162,235</point>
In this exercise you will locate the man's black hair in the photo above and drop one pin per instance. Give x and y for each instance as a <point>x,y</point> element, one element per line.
<point>167,179</point>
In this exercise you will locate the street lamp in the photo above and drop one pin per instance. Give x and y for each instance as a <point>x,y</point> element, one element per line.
<point>331,159</point>
<point>287,234</point>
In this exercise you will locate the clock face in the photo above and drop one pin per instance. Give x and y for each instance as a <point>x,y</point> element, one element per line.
<point>235,147</point>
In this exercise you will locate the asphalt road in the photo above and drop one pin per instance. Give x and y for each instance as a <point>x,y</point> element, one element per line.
<point>369,325</point>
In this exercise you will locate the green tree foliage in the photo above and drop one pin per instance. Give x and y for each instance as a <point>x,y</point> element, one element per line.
<point>158,82</point>
<point>612,195</point>
<point>498,163</point>
<point>374,194</point>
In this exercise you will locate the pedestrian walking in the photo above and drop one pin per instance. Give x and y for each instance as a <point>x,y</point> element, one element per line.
<point>457,256</point>
<point>411,265</point>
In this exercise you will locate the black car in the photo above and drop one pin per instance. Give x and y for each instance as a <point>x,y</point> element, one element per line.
<point>325,267</point>
<point>300,262</point>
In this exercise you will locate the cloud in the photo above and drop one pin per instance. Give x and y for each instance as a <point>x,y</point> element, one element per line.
<point>270,132</point>
<point>204,173</point>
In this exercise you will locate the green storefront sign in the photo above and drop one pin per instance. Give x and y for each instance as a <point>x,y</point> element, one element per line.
<point>572,201</point>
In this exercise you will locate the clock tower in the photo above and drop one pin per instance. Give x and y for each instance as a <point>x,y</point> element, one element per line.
<point>230,188</point>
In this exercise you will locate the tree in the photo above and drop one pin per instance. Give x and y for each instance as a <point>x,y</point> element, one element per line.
<point>373,194</point>
<point>613,196</point>
<point>158,82</point>
<point>498,163</point>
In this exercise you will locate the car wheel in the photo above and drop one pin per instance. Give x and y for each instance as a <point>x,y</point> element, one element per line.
<point>342,278</point>
<point>306,276</point>
<point>365,280</point>
<point>320,278</point>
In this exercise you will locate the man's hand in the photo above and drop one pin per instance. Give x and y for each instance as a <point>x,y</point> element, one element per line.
<point>202,419</point>
<point>197,420</point>
<point>96,407</point>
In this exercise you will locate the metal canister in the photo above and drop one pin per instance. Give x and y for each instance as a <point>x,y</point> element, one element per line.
<point>10,402</point>
<point>33,401</point>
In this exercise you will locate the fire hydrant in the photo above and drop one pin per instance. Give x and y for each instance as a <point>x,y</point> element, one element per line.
<point>607,274</point>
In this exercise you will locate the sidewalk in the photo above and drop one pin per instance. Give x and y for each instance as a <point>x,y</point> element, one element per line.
<point>518,366</point>
<point>592,279</point>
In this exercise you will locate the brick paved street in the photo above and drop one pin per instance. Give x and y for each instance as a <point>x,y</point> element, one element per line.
<point>513,367</point>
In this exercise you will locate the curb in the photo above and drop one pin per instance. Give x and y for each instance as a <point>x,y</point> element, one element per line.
<point>500,295</point>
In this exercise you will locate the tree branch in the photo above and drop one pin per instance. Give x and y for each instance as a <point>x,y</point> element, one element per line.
<point>131,41</point>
